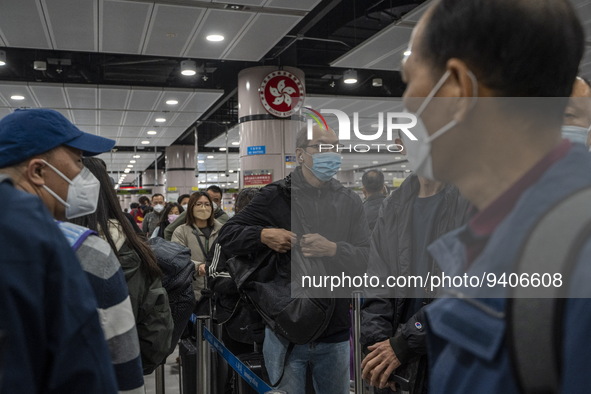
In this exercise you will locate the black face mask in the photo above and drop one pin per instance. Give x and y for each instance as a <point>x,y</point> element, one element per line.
<point>143,207</point>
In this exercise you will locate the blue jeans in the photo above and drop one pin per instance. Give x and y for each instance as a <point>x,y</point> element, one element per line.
<point>329,363</point>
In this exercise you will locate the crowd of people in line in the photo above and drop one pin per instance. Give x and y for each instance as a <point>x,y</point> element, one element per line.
<point>82,302</point>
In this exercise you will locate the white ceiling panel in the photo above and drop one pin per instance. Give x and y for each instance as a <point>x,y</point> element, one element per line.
<point>15,88</point>
<point>123,25</point>
<point>382,50</point>
<point>170,29</point>
<point>49,95</point>
<point>262,33</point>
<point>82,97</point>
<point>143,98</point>
<point>137,118</point>
<point>183,118</point>
<point>114,97</point>
<point>111,118</point>
<point>304,5</point>
<point>183,97</point>
<point>72,24</point>
<point>4,111</point>
<point>224,22</point>
<point>200,102</point>
<point>108,131</point>
<point>15,15</point>
<point>85,117</point>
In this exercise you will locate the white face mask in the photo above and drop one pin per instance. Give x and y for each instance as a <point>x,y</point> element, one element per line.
<point>83,193</point>
<point>214,205</point>
<point>185,206</point>
<point>418,153</point>
<point>158,208</point>
<point>575,134</point>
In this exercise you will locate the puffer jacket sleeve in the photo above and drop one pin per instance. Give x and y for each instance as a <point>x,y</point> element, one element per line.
<point>151,310</point>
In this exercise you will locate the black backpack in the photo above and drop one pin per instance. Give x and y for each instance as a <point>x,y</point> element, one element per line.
<point>175,262</point>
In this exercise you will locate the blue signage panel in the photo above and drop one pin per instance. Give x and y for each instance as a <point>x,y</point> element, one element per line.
<point>256,150</point>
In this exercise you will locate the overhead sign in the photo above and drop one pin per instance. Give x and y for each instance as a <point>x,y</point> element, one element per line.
<point>256,150</point>
<point>282,93</point>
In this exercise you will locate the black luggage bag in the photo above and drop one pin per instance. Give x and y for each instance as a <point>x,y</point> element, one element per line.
<point>188,355</point>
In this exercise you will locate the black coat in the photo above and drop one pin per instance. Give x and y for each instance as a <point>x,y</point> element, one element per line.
<point>390,255</point>
<point>331,211</point>
<point>371,206</point>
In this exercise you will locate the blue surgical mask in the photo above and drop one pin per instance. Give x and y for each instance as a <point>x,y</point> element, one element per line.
<point>325,165</point>
<point>575,134</point>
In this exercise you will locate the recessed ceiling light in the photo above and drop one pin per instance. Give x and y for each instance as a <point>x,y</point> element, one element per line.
<point>132,161</point>
<point>145,142</point>
<point>403,166</point>
<point>355,165</point>
<point>222,149</point>
<point>136,156</point>
<point>152,132</point>
<point>235,181</point>
<point>215,38</point>
<point>200,161</point>
<point>375,162</point>
<point>126,170</point>
<point>235,143</point>
<point>230,171</point>
<point>397,158</point>
<point>188,68</point>
<point>407,52</point>
<point>406,170</point>
<point>160,120</point>
<point>17,97</point>
<point>384,169</point>
<point>172,102</point>
<point>130,166</point>
<point>210,157</point>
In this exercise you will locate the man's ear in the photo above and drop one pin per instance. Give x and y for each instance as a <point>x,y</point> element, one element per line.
<point>462,84</point>
<point>35,171</point>
<point>299,153</point>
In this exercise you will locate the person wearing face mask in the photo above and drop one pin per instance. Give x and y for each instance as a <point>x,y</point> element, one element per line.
<point>42,152</point>
<point>511,163</point>
<point>311,211</point>
<point>171,212</point>
<point>152,219</point>
<point>198,234</point>
<point>393,326</point>
<point>149,299</point>
<point>183,201</point>
<point>215,193</point>
<point>577,115</point>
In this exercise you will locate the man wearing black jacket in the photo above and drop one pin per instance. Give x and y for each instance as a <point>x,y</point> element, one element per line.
<point>339,235</point>
<point>394,329</point>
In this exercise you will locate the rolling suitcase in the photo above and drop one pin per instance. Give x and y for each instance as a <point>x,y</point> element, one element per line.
<point>254,361</point>
<point>188,355</point>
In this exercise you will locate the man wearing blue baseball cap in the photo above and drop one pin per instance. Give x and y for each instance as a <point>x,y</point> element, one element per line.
<point>41,151</point>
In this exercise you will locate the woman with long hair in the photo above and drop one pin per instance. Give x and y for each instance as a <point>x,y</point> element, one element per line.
<point>198,234</point>
<point>148,298</point>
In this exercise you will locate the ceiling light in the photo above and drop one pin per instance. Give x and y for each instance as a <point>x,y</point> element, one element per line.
<point>132,161</point>
<point>384,169</point>
<point>235,143</point>
<point>145,142</point>
<point>136,156</point>
<point>130,166</point>
<point>407,52</point>
<point>160,119</point>
<point>39,65</point>
<point>375,162</point>
<point>172,102</point>
<point>406,170</point>
<point>355,165</point>
<point>215,38</point>
<point>17,97</point>
<point>377,82</point>
<point>222,149</point>
<point>350,76</point>
<point>403,166</point>
<point>235,181</point>
<point>152,132</point>
<point>127,170</point>
<point>397,158</point>
<point>210,157</point>
<point>200,161</point>
<point>230,171</point>
<point>2,58</point>
<point>188,68</point>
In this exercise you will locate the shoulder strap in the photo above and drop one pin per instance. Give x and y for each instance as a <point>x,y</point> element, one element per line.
<point>535,314</point>
<point>75,234</point>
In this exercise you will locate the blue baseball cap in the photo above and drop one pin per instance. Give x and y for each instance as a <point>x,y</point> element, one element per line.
<point>30,132</point>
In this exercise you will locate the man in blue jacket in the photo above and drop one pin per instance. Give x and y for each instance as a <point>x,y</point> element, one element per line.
<point>54,342</point>
<point>509,161</point>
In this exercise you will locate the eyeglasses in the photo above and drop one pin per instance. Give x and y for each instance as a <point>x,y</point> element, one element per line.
<point>203,204</point>
<point>327,147</point>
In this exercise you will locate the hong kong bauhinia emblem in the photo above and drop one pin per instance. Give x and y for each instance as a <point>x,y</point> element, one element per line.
<point>282,93</point>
